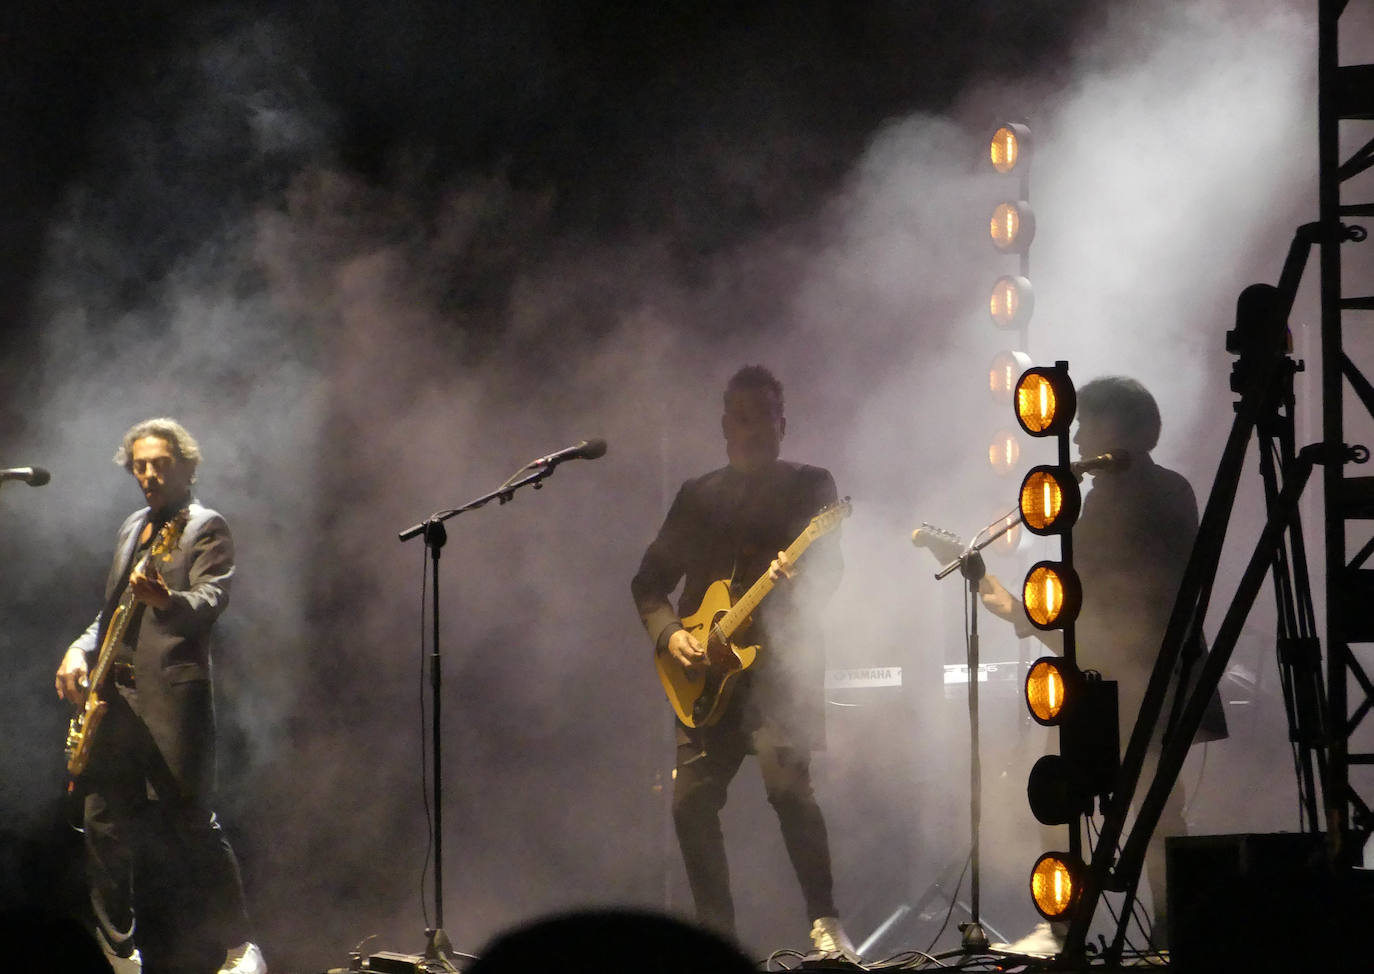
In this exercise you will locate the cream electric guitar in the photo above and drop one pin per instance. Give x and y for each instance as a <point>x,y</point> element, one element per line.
<point>699,694</point>
<point>943,545</point>
<point>81,730</point>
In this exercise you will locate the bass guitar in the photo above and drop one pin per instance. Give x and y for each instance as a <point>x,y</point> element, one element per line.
<point>81,730</point>
<point>698,694</point>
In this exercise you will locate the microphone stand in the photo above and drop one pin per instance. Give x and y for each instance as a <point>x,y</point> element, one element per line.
<point>970,565</point>
<point>438,947</point>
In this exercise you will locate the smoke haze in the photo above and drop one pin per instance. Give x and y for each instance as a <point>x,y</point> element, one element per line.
<point>376,266</point>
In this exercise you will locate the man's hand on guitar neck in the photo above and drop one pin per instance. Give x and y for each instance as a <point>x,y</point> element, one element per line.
<point>781,568</point>
<point>683,647</point>
<point>72,676</point>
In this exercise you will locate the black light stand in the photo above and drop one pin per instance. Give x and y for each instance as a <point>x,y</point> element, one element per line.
<point>438,947</point>
<point>970,565</point>
<point>1263,377</point>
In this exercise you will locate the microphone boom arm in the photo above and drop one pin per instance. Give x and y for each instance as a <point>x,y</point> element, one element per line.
<point>1002,525</point>
<point>538,470</point>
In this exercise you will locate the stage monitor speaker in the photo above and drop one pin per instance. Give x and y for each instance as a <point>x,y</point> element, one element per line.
<point>1261,902</point>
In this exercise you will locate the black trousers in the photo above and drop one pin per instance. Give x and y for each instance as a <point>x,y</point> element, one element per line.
<point>699,792</point>
<point>161,872</point>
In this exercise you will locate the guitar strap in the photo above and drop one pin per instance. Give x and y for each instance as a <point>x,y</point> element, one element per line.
<point>755,499</point>
<point>737,496</point>
<point>755,503</point>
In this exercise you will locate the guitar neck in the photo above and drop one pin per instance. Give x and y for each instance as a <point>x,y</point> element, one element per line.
<point>118,623</point>
<point>740,612</point>
<point>114,635</point>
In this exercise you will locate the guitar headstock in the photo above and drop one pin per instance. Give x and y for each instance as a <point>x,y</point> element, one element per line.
<point>168,539</point>
<point>829,518</point>
<point>946,546</point>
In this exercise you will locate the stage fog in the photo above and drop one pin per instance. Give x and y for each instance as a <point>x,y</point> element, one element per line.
<point>364,331</point>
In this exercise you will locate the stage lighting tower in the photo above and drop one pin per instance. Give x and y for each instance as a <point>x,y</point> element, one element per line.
<point>1011,301</point>
<point>1061,787</point>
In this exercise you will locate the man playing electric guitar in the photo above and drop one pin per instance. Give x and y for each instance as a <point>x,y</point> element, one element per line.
<point>155,852</point>
<point>728,524</point>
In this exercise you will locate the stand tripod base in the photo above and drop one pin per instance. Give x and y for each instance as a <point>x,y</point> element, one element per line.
<point>438,951</point>
<point>975,938</point>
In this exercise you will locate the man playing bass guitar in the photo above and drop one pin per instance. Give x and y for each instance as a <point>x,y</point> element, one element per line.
<point>155,852</point>
<point>727,525</point>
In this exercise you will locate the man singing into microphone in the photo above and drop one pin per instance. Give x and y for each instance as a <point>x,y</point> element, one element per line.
<point>1130,548</point>
<point>155,852</point>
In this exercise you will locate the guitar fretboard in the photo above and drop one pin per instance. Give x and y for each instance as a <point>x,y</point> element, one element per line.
<point>740,612</point>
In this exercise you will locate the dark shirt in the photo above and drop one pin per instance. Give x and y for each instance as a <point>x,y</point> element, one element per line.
<point>1130,548</point>
<point>729,525</point>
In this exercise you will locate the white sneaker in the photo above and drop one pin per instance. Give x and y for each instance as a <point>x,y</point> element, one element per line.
<point>1046,940</point>
<point>830,942</point>
<point>130,963</point>
<point>246,958</point>
<point>133,964</point>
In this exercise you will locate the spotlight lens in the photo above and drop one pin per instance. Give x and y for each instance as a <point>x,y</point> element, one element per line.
<point>1005,224</point>
<point>1041,499</point>
<point>1049,500</point>
<point>1045,691</point>
<point>1036,402</point>
<point>1054,886</point>
<point>1011,301</point>
<point>1003,371</point>
<point>1012,226</point>
<point>1005,302</point>
<point>1003,452</point>
<point>1045,401</point>
<point>1051,594</point>
<point>1043,595</point>
<point>1005,150</point>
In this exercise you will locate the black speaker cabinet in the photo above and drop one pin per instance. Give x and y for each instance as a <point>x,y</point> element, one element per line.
<point>1262,902</point>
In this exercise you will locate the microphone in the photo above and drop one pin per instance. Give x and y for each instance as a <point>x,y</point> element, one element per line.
<point>1116,460</point>
<point>586,450</point>
<point>33,476</point>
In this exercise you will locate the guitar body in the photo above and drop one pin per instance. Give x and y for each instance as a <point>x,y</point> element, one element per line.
<point>699,696</point>
<point>82,727</point>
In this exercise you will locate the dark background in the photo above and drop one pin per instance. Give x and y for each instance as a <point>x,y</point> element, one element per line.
<point>377,256</point>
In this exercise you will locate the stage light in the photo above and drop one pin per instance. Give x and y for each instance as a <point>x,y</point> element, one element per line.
<point>1056,881</point>
<point>1011,302</point>
<point>1057,791</point>
<point>1010,147</point>
<point>1003,452</point>
<point>1049,500</point>
<point>1046,690</point>
<point>1084,708</point>
<point>1045,401</point>
<point>1051,594</point>
<point>1012,227</point>
<point>1003,371</point>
